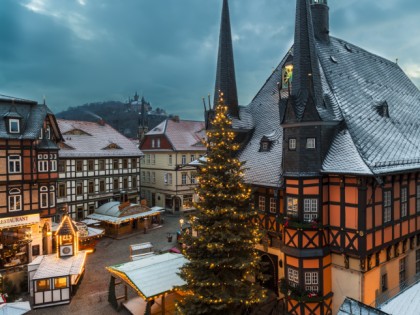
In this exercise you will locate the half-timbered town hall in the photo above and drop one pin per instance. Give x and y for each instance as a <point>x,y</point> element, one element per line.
<point>332,149</point>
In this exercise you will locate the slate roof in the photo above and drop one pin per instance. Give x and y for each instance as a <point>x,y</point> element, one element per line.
<point>31,113</point>
<point>184,135</point>
<point>94,141</point>
<point>353,307</point>
<point>264,168</point>
<point>360,82</point>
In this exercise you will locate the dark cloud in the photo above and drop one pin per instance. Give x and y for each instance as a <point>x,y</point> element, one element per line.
<point>91,50</point>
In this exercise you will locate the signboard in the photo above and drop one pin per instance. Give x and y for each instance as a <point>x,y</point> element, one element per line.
<point>6,223</point>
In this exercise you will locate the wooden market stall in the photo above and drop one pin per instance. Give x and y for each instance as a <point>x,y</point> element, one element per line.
<point>120,219</point>
<point>152,278</point>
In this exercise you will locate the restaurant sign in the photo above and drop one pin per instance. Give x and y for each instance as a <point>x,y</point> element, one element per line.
<point>10,222</point>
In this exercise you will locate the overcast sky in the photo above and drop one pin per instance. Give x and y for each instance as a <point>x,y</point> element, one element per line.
<point>80,51</point>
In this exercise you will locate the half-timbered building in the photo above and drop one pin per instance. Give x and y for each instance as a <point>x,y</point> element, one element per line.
<point>97,165</point>
<point>28,183</point>
<point>167,179</point>
<point>332,150</point>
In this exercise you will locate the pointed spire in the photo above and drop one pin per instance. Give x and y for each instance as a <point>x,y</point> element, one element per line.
<point>225,75</point>
<point>305,61</point>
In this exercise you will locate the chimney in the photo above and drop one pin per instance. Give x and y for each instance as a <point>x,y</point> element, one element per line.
<point>101,122</point>
<point>175,119</point>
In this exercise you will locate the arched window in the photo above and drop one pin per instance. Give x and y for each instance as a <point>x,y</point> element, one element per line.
<point>52,196</point>
<point>15,199</point>
<point>43,197</point>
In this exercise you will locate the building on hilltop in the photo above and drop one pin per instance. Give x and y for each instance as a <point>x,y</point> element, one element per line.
<point>332,149</point>
<point>166,178</point>
<point>97,165</point>
<point>28,182</point>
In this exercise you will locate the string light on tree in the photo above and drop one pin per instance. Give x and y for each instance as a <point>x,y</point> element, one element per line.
<point>223,263</point>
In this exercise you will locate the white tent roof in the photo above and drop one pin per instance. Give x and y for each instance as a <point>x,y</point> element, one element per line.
<point>16,308</point>
<point>118,220</point>
<point>152,276</point>
<point>407,302</point>
<point>51,266</point>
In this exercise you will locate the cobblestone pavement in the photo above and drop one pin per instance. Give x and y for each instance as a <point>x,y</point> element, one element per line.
<point>92,296</point>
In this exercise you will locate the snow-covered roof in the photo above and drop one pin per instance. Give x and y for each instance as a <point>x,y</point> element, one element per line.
<point>51,266</point>
<point>184,135</point>
<point>353,307</point>
<point>407,302</point>
<point>153,275</point>
<point>15,308</point>
<point>118,220</point>
<point>91,139</point>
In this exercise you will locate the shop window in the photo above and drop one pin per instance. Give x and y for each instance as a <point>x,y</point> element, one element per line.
<point>52,196</point>
<point>62,166</point>
<point>62,190</point>
<point>125,163</point>
<point>292,207</point>
<point>403,201</point>
<point>311,281</point>
<point>43,285</point>
<point>387,203</point>
<point>15,164</point>
<point>35,250</point>
<point>116,184</point>
<point>91,187</point>
<point>14,126</point>
<point>310,143</point>
<point>43,197</point>
<point>60,283</point>
<point>293,277</point>
<point>261,203</point>
<point>91,165</point>
<point>79,188</point>
<point>101,165</point>
<point>273,205</point>
<point>310,209</point>
<point>183,159</point>
<point>187,202</point>
<point>183,178</point>
<point>115,164</point>
<point>15,200</point>
<point>79,166</point>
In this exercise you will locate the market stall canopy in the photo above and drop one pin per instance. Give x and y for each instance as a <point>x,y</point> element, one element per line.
<point>51,266</point>
<point>151,276</point>
<point>16,308</point>
<point>116,213</point>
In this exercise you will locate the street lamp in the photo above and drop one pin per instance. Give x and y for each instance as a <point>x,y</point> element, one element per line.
<point>181,223</point>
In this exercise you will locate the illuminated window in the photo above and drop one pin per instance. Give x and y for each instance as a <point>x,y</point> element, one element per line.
<point>60,283</point>
<point>15,200</point>
<point>287,76</point>
<point>187,202</point>
<point>43,285</point>
<point>15,164</point>
<point>273,204</point>
<point>261,203</point>
<point>292,144</point>
<point>403,202</point>
<point>310,143</point>
<point>293,277</point>
<point>292,207</point>
<point>311,281</point>
<point>387,204</point>
<point>310,209</point>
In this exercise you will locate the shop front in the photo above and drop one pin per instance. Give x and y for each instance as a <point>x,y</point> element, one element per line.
<point>16,237</point>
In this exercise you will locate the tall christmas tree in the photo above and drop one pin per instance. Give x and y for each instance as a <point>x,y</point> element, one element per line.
<point>223,266</point>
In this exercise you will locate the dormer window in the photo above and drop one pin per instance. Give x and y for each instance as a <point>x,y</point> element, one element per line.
<point>14,125</point>
<point>265,145</point>
<point>383,109</point>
